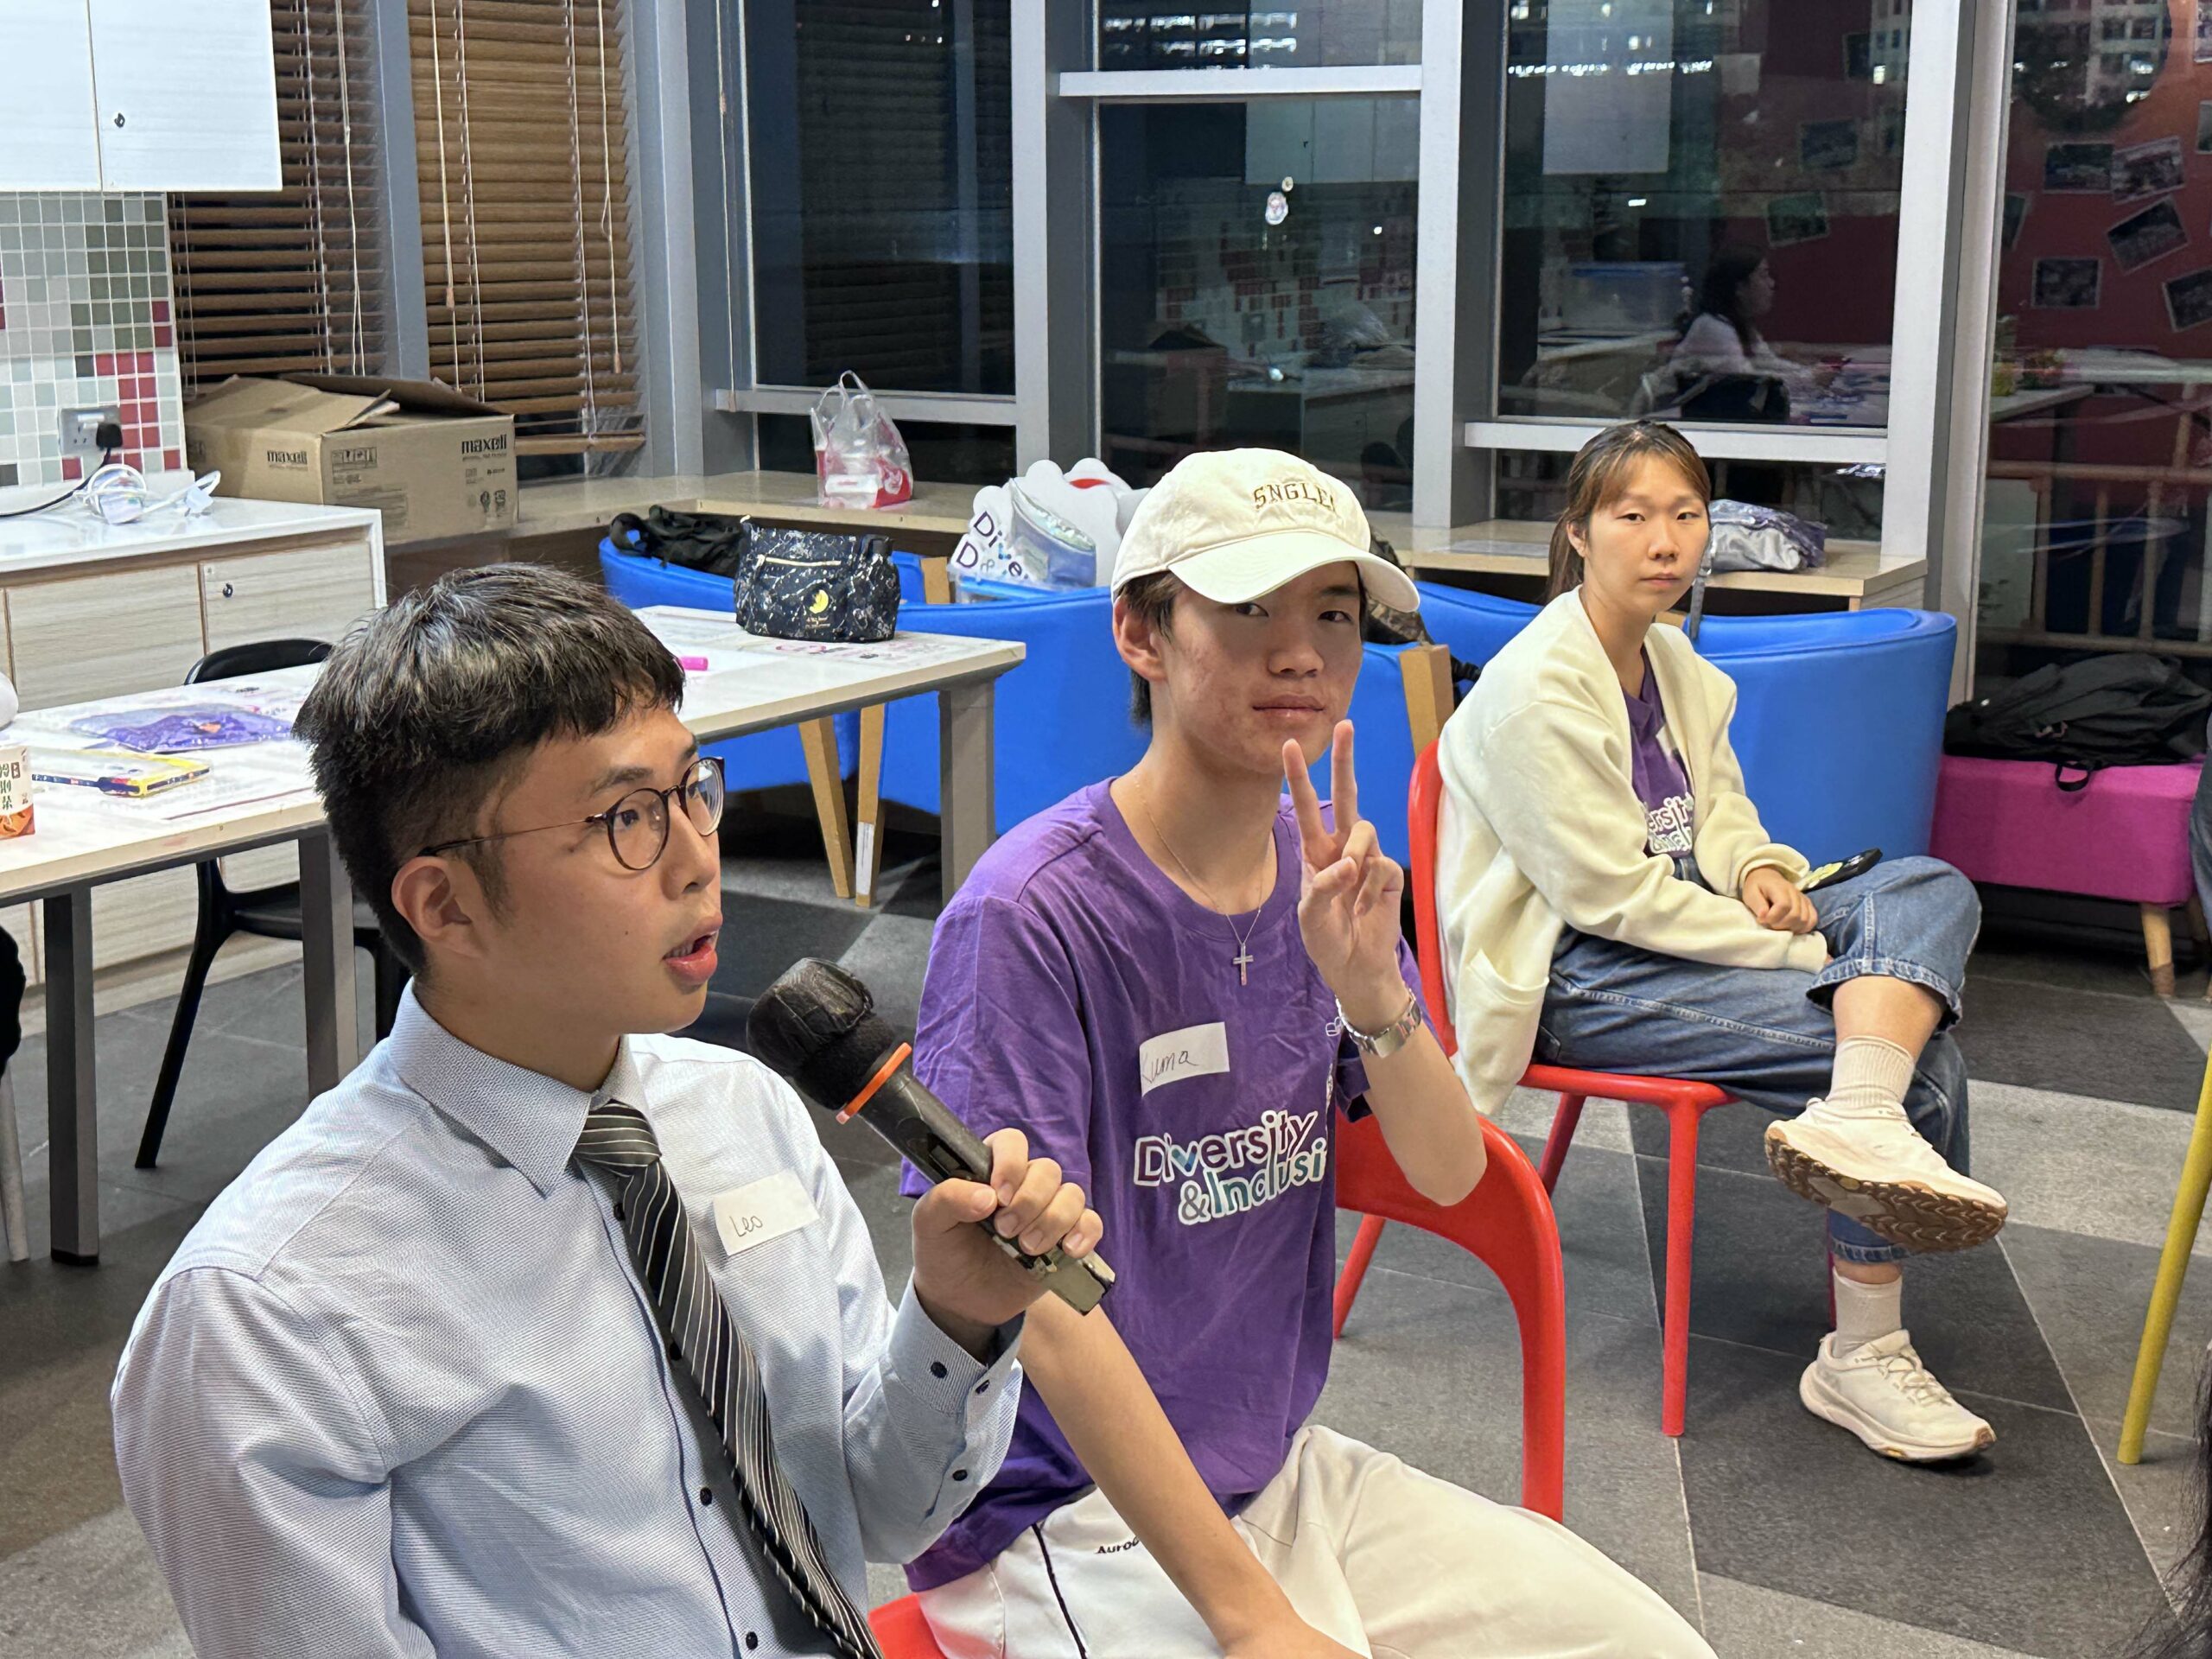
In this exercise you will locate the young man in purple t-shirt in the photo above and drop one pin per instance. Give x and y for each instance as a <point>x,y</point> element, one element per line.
<point>1173,981</point>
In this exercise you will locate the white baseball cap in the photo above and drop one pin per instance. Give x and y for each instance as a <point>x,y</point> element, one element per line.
<point>1235,524</point>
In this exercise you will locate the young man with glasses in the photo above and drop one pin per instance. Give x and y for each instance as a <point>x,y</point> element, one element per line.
<point>1174,981</point>
<point>542,1333</point>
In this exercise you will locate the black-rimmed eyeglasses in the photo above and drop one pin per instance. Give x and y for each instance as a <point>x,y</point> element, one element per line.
<point>636,825</point>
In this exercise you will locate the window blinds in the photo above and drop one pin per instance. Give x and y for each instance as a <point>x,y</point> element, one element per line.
<point>522,162</point>
<point>272,284</point>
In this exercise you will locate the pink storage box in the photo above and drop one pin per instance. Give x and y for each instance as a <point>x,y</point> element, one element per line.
<point>2125,836</point>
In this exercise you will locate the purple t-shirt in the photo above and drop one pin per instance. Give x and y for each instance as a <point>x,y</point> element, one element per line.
<point>1669,807</point>
<point>1075,993</point>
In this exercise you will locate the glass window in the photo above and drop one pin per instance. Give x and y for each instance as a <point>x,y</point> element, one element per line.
<point>1256,284</point>
<point>942,453</point>
<point>883,186</point>
<point>2100,453</point>
<point>1321,33</point>
<point>1701,204</point>
<point>1846,500</point>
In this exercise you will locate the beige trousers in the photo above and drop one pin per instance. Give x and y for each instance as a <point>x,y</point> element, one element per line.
<point>1387,1561</point>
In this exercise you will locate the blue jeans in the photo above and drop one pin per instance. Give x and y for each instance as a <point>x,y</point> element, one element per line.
<point>1766,1034</point>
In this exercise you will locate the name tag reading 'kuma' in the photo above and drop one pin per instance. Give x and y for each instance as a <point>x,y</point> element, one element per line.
<point>1193,1051</point>
<point>747,1216</point>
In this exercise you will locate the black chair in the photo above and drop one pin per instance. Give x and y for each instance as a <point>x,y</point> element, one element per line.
<point>266,912</point>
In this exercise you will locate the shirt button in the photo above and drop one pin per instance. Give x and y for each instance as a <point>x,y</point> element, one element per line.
<point>982,1387</point>
<point>618,1213</point>
<point>706,1497</point>
<point>960,1474</point>
<point>937,1368</point>
<point>752,1640</point>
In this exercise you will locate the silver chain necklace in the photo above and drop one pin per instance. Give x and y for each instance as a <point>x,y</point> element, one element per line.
<point>1243,957</point>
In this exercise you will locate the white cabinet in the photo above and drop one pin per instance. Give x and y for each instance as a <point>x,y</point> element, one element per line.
<point>144,95</point>
<point>187,95</point>
<point>47,138</point>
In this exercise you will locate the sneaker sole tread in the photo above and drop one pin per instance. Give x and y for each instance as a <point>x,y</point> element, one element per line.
<point>1917,1217</point>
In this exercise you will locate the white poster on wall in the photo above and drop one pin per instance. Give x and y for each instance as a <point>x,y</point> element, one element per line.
<point>1609,82</point>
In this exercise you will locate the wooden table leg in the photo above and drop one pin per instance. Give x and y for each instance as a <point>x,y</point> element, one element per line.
<point>967,807</point>
<point>326,952</point>
<point>2158,946</point>
<point>826,779</point>
<point>72,1091</point>
<point>868,846</point>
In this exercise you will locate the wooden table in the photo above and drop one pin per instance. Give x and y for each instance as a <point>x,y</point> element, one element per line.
<point>85,840</point>
<point>1855,573</point>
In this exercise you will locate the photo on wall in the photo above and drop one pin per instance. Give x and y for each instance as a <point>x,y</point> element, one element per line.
<point>2203,31</point>
<point>1801,218</point>
<point>2078,167</point>
<point>2204,127</point>
<point>1827,146</point>
<point>2149,169</point>
<point>2068,284</point>
<point>2152,233</point>
<point>2188,299</point>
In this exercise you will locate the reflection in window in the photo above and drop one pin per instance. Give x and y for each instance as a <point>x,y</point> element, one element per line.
<point>1700,210</point>
<point>1848,500</point>
<point>1321,33</point>
<point>1256,284</point>
<point>883,185</point>
<point>2101,430</point>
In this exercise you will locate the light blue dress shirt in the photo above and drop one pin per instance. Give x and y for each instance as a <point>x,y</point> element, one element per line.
<point>399,1391</point>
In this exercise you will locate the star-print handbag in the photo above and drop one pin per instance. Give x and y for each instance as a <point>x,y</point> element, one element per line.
<point>816,584</point>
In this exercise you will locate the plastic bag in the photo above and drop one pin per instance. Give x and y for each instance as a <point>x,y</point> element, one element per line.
<point>1748,537</point>
<point>860,459</point>
<point>1047,528</point>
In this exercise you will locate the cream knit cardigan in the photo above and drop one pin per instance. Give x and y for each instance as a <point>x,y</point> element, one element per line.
<point>1540,827</point>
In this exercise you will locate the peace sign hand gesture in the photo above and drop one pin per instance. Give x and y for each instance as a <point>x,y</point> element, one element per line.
<point>1347,891</point>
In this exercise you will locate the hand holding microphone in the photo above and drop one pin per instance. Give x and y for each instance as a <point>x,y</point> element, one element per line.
<point>817,1027</point>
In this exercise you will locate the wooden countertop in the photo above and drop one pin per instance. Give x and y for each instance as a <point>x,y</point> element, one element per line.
<point>788,498</point>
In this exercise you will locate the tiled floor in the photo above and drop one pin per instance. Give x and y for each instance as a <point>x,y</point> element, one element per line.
<point>1775,1532</point>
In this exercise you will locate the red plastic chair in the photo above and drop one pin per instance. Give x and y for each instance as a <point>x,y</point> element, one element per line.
<point>1685,1104</point>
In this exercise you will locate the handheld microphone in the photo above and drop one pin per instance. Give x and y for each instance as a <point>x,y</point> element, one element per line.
<point>817,1027</point>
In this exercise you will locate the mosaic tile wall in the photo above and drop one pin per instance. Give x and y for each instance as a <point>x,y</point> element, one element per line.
<point>85,319</point>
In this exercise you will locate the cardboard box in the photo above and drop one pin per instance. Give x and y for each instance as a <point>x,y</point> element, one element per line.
<point>435,462</point>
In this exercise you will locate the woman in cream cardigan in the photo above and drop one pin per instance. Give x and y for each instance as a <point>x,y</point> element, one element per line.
<point>1608,899</point>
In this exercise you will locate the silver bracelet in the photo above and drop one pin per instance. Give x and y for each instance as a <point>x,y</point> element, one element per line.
<point>1388,1040</point>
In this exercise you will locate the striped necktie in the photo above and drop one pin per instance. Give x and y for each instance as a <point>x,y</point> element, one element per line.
<point>720,1362</point>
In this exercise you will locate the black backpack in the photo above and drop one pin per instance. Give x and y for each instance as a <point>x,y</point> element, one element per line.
<point>711,542</point>
<point>2119,711</point>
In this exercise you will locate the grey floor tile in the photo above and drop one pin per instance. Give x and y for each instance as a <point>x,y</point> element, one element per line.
<point>890,958</point>
<point>2089,1296</point>
<point>2104,1047</point>
<point>1432,1372</point>
<point>1601,1240</point>
<point>1782,1500</point>
<point>2117,969</point>
<point>1604,1123</point>
<point>2100,1167</point>
<point>761,938</point>
<point>1743,1621</point>
<point>1731,1137</point>
<point>1760,1278</point>
<point>2160,1491</point>
<point>91,1590</point>
<point>2195,1015</point>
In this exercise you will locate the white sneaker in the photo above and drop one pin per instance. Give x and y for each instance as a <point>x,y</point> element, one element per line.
<point>1883,1394</point>
<point>1874,1166</point>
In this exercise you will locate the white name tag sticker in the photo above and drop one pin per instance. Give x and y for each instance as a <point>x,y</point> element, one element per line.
<point>1193,1051</point>
<point>753,1215</point>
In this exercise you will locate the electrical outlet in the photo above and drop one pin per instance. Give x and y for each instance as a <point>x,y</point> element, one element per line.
<point>80,430</point>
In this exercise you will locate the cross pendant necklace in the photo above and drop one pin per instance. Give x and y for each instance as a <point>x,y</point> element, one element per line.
<point>1243,959</point>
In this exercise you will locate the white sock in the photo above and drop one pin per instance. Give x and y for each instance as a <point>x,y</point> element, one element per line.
<point>1863,1313</point>
<point>1871,1074</point>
